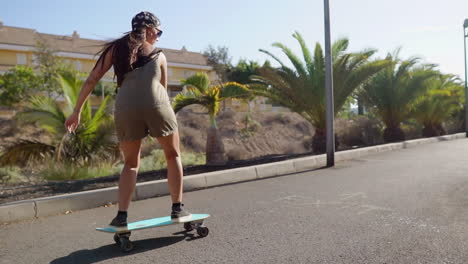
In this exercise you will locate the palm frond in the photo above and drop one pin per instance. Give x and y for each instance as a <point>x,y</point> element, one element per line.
<point>26,152</point>
<point>233,90</point>
<point>101,115</point>
<point>199,81</point>
<point>180,101</point>
<point>46,113</point>
<point>298,65</point>
<point>71,86</point>
<point>273,56</point>
<point>339,47</point>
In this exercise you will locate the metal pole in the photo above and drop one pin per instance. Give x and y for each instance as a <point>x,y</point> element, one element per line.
<point>329,90</point>
<point>466,88</point>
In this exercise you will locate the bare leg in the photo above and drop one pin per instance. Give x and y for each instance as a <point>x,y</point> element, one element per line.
<point>170,145</point>
<point>131,151</point>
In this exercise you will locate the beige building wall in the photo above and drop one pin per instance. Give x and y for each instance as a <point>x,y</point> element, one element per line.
<point>17,46</point>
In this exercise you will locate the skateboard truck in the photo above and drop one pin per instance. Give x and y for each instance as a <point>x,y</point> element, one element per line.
<point>122,238</point>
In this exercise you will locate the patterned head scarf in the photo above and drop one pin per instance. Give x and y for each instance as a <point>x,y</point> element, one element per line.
<point>144,19</point>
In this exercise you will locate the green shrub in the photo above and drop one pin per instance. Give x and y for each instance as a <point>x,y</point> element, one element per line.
<point>10,174</point>
<point>67,171</point>
<point>193,158</point>
<point>154,161</point>
<point>250,127</point>
<point>157,161</point>
<point>358,131</point>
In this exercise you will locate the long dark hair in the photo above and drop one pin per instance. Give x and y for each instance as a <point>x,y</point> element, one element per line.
<point>126,52</point>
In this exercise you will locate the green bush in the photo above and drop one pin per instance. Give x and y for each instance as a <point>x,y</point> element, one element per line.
<point>67,171</point>
<point>157,161</point>
<point>154,161</point>
<point>10,174</point>
<point>193,158</point>
<point>250,127</point>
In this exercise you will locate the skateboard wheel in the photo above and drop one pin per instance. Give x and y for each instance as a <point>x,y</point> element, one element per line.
<point>188,226</point>
<point>203,231</point>
<point>117,239</point>
<point>125,244</point>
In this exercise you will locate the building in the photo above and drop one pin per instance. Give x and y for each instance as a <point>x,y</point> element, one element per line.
<point>17,46</point>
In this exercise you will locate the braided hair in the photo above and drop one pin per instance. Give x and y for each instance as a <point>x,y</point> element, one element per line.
<point>127,50</point>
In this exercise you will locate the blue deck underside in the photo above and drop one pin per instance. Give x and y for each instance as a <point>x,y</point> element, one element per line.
<point>154,222</point>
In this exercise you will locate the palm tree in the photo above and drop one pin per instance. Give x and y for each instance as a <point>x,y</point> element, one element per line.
<point>392,92</point>
<point>93,140</point>
<point>201,92</point>
<point>302,88</point>
<point>242,71</point>
<point>438,104</point>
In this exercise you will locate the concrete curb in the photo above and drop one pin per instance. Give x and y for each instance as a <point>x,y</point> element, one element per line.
<point>91,199</point>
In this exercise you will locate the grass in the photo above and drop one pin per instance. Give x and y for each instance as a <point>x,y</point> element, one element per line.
<point>155,161</point>
<point>60,172</point>
<point>10,175</point>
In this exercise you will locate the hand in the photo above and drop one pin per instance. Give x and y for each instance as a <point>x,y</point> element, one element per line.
<point>72,122</point>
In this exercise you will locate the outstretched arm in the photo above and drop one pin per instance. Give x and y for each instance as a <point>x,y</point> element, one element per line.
<point>102,66</point>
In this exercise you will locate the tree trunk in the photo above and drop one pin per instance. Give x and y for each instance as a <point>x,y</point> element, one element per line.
<point>215,153</point>
<point>360,107</point>
<point>429,131</point>
<point>319,141</point>
<point>433,130</point>
<point>440,130</point>
<point>393,134</point>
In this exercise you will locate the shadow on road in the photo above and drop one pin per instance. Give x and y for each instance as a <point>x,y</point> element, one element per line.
<point>88,256</point>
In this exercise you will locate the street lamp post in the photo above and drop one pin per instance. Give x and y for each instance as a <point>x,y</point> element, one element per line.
<point>465,35</point>
<point>330,136</point>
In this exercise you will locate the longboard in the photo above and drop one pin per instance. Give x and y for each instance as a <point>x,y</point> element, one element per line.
<point>122,237</point>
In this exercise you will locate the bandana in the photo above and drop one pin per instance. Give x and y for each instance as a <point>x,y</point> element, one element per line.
<point>144,19</point>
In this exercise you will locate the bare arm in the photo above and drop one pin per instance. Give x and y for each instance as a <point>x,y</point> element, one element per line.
<point>163,66</point>
<point>102,66</point>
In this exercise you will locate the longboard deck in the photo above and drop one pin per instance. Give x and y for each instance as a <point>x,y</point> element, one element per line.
<point>154,222</point>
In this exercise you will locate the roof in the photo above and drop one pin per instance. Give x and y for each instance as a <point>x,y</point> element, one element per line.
<point>73,43</point>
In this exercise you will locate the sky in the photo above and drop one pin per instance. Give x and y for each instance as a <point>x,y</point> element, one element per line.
<point>430,29</point>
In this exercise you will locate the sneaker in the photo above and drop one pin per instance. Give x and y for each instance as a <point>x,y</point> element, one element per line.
<point>180,215</point>
<point>119,224</point>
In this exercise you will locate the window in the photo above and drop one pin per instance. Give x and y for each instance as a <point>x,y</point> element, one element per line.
<point>173,93</point>
<point>21,59</point>
<point>188,74</point>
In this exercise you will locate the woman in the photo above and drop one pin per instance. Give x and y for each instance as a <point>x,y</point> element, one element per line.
<point>142,107</point>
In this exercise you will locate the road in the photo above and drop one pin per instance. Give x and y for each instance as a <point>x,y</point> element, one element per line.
<point>405,206</point>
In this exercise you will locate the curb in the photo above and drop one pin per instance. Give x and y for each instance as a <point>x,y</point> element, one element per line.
<point>28,209</point>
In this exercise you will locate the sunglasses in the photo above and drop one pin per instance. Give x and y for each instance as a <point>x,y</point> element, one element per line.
<point>159,33</point>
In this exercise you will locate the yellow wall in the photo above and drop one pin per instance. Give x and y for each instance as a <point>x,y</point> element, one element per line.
<point>176,74</point>
<point>256,105</point>
<point>7,57</point>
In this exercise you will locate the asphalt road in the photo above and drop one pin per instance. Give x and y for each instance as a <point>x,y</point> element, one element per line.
<point>406,206</point>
